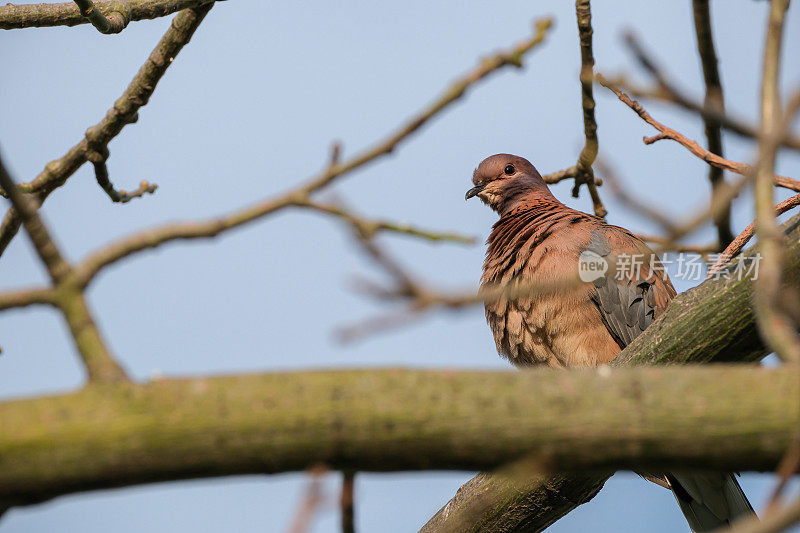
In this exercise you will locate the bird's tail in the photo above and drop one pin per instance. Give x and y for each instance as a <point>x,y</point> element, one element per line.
<point>709,500</point>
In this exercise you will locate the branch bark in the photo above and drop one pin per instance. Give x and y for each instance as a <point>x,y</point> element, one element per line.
<point>68,14</point>
<point>388,420</point>
<point>714,100</point>
<point>125,110</point>
<point>583,13</point>
<point>713,322</point>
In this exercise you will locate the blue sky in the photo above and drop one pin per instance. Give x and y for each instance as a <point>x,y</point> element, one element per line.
<point>250,108</point>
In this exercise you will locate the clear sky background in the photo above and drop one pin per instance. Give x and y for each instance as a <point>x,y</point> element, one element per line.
<point>250,108</point>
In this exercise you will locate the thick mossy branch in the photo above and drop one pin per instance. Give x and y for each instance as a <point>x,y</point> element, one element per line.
<point>683,334</point>
<point>384,420</point>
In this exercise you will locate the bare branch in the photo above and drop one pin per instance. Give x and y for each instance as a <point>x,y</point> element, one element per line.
<point>671,95</point>
<point>665,243</point>
<point>124,112</point>
<point>300,195</point>
<point>769,522</point>
<point>710,158</point>
<point>26,297</point>
<point>115,22</point>
<point>96,357</point>
<point>715,100</point>
<point>643,208</point>
<point>43,243</point>
<point>453,93</point>
<point>788,466</point>
<point>588,154</point>
<point>567,174</point>
<point>68,14</point>
<point>347,502</point>
<point>312,499</point>
<point>371,227</point>
<point>777,328</point>
<point>98,159</point>
<point>736,246</point>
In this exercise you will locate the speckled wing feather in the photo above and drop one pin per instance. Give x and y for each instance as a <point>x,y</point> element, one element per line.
<point>635,289</point>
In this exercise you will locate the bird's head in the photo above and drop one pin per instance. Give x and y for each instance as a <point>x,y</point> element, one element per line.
<point>503,180</point>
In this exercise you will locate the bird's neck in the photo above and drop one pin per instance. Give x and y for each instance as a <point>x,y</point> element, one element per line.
<point>530,199</point>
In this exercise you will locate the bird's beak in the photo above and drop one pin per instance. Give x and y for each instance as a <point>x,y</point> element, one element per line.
<point>474,191</point>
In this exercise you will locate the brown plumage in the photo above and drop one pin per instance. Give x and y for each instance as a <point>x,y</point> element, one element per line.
<point>546,305</point>
<point>538,240</point>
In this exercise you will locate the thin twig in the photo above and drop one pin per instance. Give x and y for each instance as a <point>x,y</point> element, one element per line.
<point>672,95</point>
<point>775,326</point>
<point>665,243</point>
<point>567,174</point>
<point>115,22</point>
<point>300,195</point>
<point>99,363</point>
<point>120,196</point>
<point>420,298</point>
<point>669,133</point>
<point>715,100</point>
<point>773,522</point>
<point>788,466</point>
<point>583,12</point>
<point>312,499</point>
<point>371,227</point>
<point>26,297</point>
<point>43,243</point>
<point>123,112</point>
<point>738,244</point>
<point>643,208</point>
<point>347,502</point>
<point>453,93</point>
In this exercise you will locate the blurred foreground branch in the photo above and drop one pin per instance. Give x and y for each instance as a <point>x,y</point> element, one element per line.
<point>388,420</point>
<point>779,330</point>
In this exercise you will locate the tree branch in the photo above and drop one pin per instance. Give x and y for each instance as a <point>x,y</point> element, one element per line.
<point>710,158</point>
<point>26,297</point>
<point>43,243</point>
<point>744,237</point>
<point>776,326</point>
<point>715,100</point>
<point>583,12</point>
<point>300,196</point>
<point>453,93</point>
<point>68,14</point>
<point>94,145</point>
<point>96,357</point>
<point>99,437</point>
<point>347,502</point>
<point>770,522</point>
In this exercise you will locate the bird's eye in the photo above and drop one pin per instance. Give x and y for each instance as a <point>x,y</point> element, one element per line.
<point>509,169</point>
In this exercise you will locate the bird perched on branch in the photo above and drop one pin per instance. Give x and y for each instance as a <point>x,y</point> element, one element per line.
<point>565,289</point>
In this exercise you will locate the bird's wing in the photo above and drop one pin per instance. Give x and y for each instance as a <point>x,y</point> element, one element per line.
<point>635,288</point>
